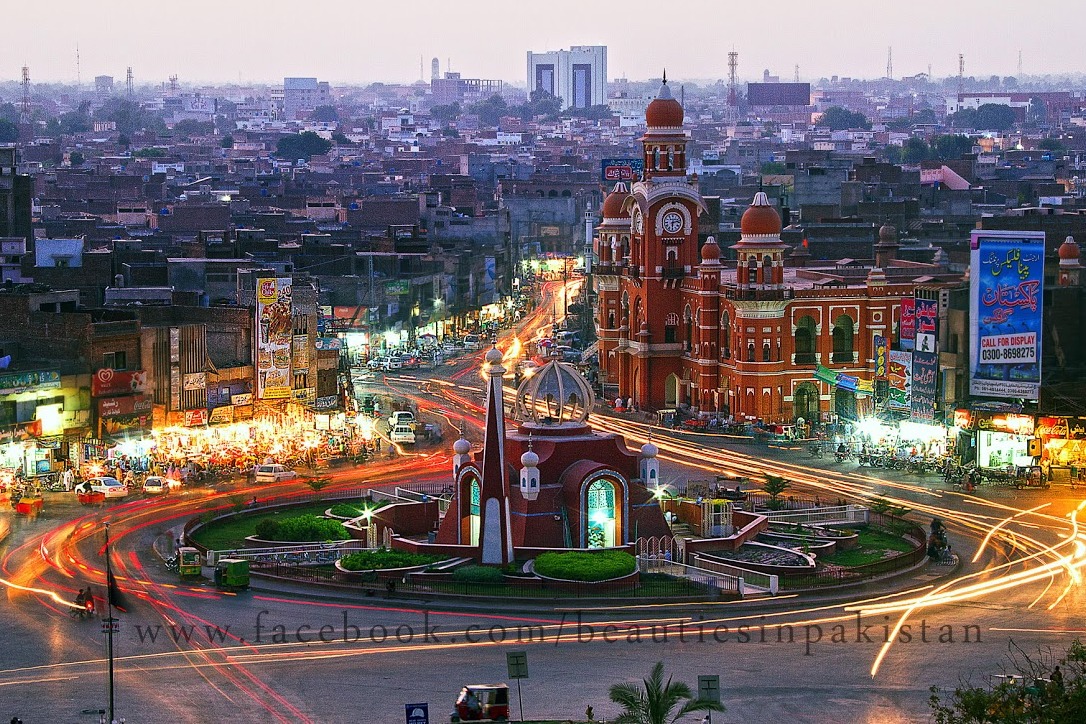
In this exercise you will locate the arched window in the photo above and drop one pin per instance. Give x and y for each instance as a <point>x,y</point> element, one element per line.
<point>474,494</point>
<point>842,339</point>
<point>610,320</point>
<point>671,326</point>
<point>726,335</point>
<point>805,402</point>
<point>601,516</point>
<point>766,353</point>
<point>750,352</point>
<point>767,269</point>
<point>752,269</point>
<point>844,404</point>
<point>688,331</point>
<point>806,334</point>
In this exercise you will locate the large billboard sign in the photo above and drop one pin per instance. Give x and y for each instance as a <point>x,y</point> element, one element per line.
<point>275,330</point>
<point>621,169</point>
<point>925,373</point>
<point>900,376</point>
<point>1005,310</point>
<point>907,326</point>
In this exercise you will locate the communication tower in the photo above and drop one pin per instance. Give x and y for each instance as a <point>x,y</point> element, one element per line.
<point>733,78</point>
<point>173,85</point>
<point>128,81</point>
<point>24,114</point>
<point>890,63</point>
<point>961,73</point>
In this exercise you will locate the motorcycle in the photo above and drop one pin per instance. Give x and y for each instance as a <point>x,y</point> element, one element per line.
<point>842,455</point>
<point>814,450</point>
<point>86,610</point>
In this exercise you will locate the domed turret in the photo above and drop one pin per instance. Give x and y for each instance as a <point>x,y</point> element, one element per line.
<point>760,219</point>
<point>612,205</point>
<point>529,459</point>
<point>649,466</point>
<point>557,394</point>
<point>1069,251</point>
<point>664,111</point>
<point>461,447</point>
<point>649,450</point>
<point>710,251</point>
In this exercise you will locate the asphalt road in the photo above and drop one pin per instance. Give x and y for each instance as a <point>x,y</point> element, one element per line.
<point>779,660</point>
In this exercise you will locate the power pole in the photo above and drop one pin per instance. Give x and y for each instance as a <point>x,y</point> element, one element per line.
<point>24,115</point>
<point>890,63</point>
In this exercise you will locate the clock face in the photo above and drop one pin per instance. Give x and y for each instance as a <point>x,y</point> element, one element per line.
<point>672,222</point>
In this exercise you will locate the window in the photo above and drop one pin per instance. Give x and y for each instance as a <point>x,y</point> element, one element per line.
<point>669,334</point>
<point>726,335</point>
<point>601,515</point>
<point>750,352</point>
<point>842,339</point>
<point>115,360</point>
<point>806,334</point>
<point>474,495</point>
<point>765,352</point>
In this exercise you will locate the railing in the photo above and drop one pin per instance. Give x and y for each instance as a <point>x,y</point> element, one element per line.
<point>840,575</point>
<point>857,514</point>
<point>315,554</point>
<point>717,581</point>
<point>754,579</point>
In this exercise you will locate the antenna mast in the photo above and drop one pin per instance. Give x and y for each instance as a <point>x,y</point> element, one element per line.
<point>1019,65</point>
<point>961,73</point>
<point>128,81</point>
<point>78,76</point>
<point>890,63</point>
<point>797,73</point>
<point>733,82</point>
<point>24,115</point>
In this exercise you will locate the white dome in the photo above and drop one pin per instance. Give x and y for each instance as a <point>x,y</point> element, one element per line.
<point>649,450</point>
<point>555,395</point>
<point>529,460</point>
<point>461,447</point>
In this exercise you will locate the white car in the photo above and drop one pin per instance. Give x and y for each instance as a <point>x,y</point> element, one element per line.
<point>472,342</point>
<point>158,485</point>
<point>272,473</point>
<point>402,433</point>
<point>108,486</point>
<point>401,417</point>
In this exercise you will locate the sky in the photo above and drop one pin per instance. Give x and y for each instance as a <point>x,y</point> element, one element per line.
<point>356,42</point>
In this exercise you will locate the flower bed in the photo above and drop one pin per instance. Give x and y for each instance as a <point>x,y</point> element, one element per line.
<point>383,558</point>
<point>584,566</point>
<point>301,528</point>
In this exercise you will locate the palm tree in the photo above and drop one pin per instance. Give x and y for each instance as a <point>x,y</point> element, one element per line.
<point>654,703</point>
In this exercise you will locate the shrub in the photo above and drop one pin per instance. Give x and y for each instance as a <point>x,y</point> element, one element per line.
<point>478,574</point>
<point>345,510</point>
<point>301,528</point>
<point>582,566</point>
<point>385,558</point>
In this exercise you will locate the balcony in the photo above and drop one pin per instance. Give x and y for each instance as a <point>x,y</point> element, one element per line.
<point>758,295</point>
<point>673,272</point>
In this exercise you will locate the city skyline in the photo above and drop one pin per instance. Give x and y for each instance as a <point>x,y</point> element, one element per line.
<point>483,39</point>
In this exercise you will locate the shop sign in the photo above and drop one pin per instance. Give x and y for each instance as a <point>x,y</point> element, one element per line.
<point>50,443</point>
<point>1009,422</point>
<point>118,406</point>
<point>245,398</point>
<point>621,169</point>
<point>221,415</point>
<point>1005,313</point>
<point>963,419</point>
<point>196,417</point>
<point>326,403</point>
<point>397,287</point>
<point>195,381</point>
<point>106,382</point>
<point>907,325</point>
<point>305,394</point>
<point>21,431</point>
<point>301,350</point>
<point>900,376</point>
<point>275,330</point>
<point>329,343</point>
<point>23,381</point>
<point>924,387</point>
<point>1064,428</point>
<point>243,412</point>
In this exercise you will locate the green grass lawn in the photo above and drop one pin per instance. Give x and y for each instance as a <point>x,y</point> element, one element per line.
<point>874,545</point>
<point>231,533</point>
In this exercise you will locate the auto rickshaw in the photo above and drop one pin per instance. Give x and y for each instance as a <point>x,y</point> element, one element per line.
<point>482,702</point>
<point>232,573</point>
<point>189,562</point>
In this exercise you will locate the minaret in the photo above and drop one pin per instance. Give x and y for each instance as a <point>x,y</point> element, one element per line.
<point>529,473</point>
<point>461,453</point>
<point>495,533</point>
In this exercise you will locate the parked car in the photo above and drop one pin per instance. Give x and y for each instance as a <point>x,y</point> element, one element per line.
<point>472,341</point>
<point>409,362</point>
<point>108,486</point>
<point>273,473</point>
<point>402,433</point>
<point>376,363</point>
<point>401,417</point>
<point>158,485</point>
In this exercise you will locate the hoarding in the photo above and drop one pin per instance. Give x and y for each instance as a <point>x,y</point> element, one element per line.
<point>1005,309</point>
<point>880,357</point>
<point>925,372</point>
<point>23,381</point>
<point>907,325</point>
<point>621,169</point>
<point>107,382</point>
<point>118,406</point>
<point>275,334</point>
<point>779,94</point>
<point>899,373</point>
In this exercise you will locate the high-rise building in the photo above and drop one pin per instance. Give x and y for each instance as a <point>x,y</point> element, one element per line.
<point>302,95</point>
<point>578,76</point>
<point>16,192</point>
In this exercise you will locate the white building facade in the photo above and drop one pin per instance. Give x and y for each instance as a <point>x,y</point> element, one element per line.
<point>578,76</point>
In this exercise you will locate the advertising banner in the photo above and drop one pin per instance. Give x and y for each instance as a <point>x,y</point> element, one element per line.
<point>925,371</point>
<point>397,287</point>
<point>899,373</point>
<point>907,327</point>
<point>196,417</point>
<point>621,169</point>
<point>274,337</point>
<point>106,382</point>
<point>194,381</point>
<point>1005,311</point>
<point>329,343</point>
<point>130,405</point>
<point>221,415</point>
<point>301,351</point>
<point>245,398</point>
<point>880,357</point>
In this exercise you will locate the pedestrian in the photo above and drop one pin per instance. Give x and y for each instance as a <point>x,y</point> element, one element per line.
<point>588,713</point>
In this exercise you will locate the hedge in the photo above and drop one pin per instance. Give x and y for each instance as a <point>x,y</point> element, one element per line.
<point>384,558</point>
<point>478,574</point>
<point>307,528</point>
<point>345,510</point>
<point>581,566</point>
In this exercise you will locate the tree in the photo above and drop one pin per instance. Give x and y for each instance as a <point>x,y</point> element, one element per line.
<point>9,132</point>
<point>76,158</point>
<point>915,151</point>
<point>995,116</point>
<point>491,110</point>
<point>592,113</point>
<point>1050,690</point>
<point>446,113</point>
<point>837,118</point>
<point>317,483</point>
<point>190,127</point>
<point>340,139</point>
<point>303,145</point>
<point>964,118</point>
<point>325,114</point>
<point>655,703</point>
<point>951,147</point>
<point>1038,110</point>
<point>1051,144</point>
<point>227,142</point>
<point>771,168</point>
<point>775,486</point>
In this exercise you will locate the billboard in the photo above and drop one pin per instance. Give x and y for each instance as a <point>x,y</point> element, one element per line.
<point>1005,310</point>
<point>621,169</point>
<point>907,325</point>
<point>880,357</point>
<point>107,382</point>
<point>779,94</point>
<point>899,374</point>
<point>925,372</point>
<point>274,337</point>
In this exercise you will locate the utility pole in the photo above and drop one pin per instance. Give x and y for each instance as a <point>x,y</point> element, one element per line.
<point>110,623</point>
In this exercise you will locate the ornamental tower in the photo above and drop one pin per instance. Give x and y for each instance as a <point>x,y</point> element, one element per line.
<point>495,535</point>
<point>760,251</point>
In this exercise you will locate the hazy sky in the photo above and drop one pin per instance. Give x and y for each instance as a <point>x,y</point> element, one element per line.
<point>359,41</point>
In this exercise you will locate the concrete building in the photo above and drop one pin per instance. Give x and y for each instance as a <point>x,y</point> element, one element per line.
<point>302,95</point>
<point>578,76</point>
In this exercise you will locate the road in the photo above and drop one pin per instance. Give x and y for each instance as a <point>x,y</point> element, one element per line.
<point>259,655</point>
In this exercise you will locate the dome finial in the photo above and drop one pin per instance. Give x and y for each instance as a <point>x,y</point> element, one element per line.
<point>665,76</point>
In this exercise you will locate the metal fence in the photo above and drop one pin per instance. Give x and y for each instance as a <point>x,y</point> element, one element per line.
<point>757,580</point>
<point>857,514</point>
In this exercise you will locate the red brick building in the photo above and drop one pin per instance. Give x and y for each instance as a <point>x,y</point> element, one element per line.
<point>679,328</point>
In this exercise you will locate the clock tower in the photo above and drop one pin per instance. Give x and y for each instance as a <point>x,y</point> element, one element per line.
<point>655,326</point>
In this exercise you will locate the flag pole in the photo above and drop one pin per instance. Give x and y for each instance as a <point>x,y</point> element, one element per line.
<point>109,624</point>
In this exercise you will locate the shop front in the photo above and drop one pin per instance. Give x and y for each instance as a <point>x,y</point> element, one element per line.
<point>997,439</point>
<point>1063,446</point>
